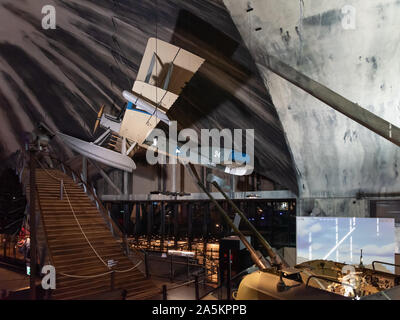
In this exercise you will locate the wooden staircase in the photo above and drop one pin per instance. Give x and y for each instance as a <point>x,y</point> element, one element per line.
<point>70,252</point>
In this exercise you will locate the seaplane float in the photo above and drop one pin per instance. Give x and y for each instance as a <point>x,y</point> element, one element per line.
<point>164,71</point>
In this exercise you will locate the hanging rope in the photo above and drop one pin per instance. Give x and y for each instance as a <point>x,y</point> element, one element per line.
<point>165,93</point>
<point>101,274</point>
<point>116,50</point>
<point>73,213</point>
<point>84,234</point>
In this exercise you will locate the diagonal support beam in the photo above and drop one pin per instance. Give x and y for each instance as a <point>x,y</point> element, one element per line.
<point>131,148</point>
<point>350,109</point>
<point>99,141</point>
<point>106,177</point>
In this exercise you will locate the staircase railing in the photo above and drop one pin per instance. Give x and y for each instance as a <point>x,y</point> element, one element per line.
<point>93,196</point>
<point>42,230</point>
<point>21,166</point>
<point>44,251</point>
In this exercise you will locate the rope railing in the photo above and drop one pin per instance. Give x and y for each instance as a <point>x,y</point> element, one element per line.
<point>73,212</point>
<point>385,263</point>
<point>100,274</point>
<point>89,189</point>
<point>83,232</point>
<point>165,289</point>
<point>181,285</point>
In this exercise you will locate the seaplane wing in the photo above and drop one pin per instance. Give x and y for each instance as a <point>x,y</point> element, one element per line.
<point>167,66</point>
<point>164,71</point>
<point>157,96</point>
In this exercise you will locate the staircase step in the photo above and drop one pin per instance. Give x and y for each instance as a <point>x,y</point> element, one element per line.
<point>69,249</point>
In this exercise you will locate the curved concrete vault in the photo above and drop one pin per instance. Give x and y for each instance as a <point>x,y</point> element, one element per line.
<point>336,158</point>
<point>62,76</point>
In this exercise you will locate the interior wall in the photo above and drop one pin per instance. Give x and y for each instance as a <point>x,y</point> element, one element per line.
<point>63,76</point>
<point>145,179</point>
<point>335,157</point>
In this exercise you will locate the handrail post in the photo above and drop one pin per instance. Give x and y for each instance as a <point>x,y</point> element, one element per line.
<point>112,280</point>
<point>220,282</point>
<point>164,292</point>
<point>188,268</point>
<point>196,287</point>
<point>255,255</point>
<point>171,270</point>
<point>260,238</point>
<point>146,265</point>
<point>14,250</point>
<point>126,245</point>
<point>228,277</point>
<point>61,189</point>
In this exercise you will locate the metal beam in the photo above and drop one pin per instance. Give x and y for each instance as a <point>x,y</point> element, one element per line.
<point>138,222</point>
<point>127,219</point>
<point>257,258</point>
<point>258,235</point>
<point>190,224</point>
<point>106,177</point>
<point>104,136</point>
<point>84,169</point>
<point>131,148</point>
<point>149,213</point>
<point>173,177</point>
<point>350,109</point>
<point>233,185</point>
<point>176,223</point>
<point>182,176</point>
<point>259,195</point>
<point>123,146</point>
<point>206,214</point>
<point>162,226</point>
<point>126,180</point>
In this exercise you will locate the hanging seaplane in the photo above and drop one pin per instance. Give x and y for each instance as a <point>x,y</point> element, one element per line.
<point>164,72</point>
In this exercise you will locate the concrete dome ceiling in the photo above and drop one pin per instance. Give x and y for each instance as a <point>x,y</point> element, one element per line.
<point>62,76</point>
<point>334,155</point>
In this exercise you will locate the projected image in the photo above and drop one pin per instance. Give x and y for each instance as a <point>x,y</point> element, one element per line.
<point>341,240</point>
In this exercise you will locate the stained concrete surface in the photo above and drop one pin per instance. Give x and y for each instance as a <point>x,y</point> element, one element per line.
<point>62,76</point>
<point>335,157</point>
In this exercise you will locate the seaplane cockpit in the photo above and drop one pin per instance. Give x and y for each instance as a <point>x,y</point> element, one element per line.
<point>164,72</point>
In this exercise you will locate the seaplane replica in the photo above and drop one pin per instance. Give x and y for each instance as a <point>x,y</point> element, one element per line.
<point>164,72</point>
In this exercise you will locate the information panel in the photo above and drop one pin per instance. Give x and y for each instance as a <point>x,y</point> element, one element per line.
<point>342,239</point>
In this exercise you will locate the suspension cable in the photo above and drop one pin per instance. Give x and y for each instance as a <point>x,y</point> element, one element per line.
<point>73,213</point>
<point>84,234</point>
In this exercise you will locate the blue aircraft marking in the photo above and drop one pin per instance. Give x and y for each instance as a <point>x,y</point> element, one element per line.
<point>239,157</point>
<point>130,107</point>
